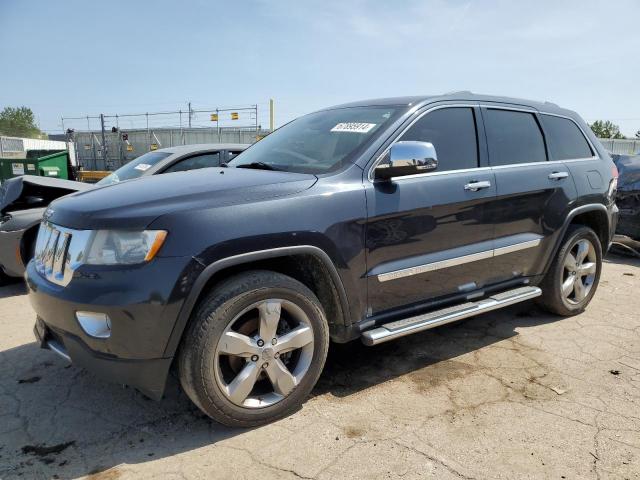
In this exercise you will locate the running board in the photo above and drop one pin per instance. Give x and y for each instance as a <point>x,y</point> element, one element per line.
<point>407,326</point>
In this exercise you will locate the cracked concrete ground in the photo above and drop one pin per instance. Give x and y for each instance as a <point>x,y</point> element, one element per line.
<point>511,394</point>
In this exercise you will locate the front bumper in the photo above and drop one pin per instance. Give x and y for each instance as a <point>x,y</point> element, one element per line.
<point>142,304</point>
<point>148,376</point>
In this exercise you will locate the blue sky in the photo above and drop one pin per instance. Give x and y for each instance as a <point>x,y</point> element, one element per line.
<point>75,58</point>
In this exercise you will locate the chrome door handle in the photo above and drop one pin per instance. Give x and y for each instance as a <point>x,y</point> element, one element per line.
<point>475,186</point>
<point>558,175</point>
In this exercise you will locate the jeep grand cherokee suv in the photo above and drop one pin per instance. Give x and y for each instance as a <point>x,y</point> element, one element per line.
<point>371,220</point>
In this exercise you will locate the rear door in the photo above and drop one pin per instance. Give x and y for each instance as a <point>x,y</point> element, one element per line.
<point>533,193</point>
<point>429,235</point>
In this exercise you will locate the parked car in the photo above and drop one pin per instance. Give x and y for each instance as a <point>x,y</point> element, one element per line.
<point>628,197</point>
<point>371,220</point>
<point>24,199</point>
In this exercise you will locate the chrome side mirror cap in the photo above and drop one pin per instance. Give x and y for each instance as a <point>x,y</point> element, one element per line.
<point>408,158</point>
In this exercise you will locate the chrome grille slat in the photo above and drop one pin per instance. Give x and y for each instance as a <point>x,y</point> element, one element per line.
<point>51,252</point>
<point>60,255</point>
<point>59,251</point>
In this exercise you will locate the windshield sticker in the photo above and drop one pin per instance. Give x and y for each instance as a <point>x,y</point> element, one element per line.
<point>353,127</point>
<point>143,167</point>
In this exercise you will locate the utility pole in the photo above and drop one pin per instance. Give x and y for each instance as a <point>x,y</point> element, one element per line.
<point>271,114</point>
<point>190,113</point>
<point>104,143</point>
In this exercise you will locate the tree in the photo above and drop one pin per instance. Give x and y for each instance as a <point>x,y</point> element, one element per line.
<point>606,129</point>
<point>19,122</point>
<point>638,134</point>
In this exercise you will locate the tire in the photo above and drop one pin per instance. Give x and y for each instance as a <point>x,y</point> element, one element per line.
<point>223,367</point>
<point>559,294</point>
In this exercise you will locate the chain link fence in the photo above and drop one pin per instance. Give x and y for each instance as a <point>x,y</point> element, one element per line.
<point>92,154</point>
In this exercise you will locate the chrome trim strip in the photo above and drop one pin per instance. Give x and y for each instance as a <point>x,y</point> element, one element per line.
<point>430,267</point>
<point>516,247</point>
<point>58,349</point>
<point>452,262</point>
<point>495,107</point>
<point>447,315</point>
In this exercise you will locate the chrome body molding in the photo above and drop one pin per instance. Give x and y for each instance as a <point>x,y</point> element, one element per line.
<point>452,262</point>
<point>516,247</point>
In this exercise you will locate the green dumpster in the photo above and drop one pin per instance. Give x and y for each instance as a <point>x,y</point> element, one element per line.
<point>53,165</point>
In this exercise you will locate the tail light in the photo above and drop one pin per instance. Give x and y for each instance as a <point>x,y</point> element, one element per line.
<point>613,185</point>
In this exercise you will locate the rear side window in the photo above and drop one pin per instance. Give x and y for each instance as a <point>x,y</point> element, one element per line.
<point>566,140</point>
<point>452,131</point>
<point>514,137</point>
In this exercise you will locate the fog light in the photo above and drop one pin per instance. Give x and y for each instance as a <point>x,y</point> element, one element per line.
<point>97,325</point>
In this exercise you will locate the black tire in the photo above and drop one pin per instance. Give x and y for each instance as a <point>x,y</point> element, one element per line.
<point>4,279</point>
<point>214,316</point>
<point>552,298</point>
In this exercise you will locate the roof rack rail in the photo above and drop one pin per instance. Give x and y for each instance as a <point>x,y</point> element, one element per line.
<point>458,91</point>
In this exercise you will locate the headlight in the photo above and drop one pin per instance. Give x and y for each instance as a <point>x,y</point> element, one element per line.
<point>122,247</point>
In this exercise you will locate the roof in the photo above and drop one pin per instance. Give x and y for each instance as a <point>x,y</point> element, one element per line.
<point>411,101</point>
<point>199,147</point>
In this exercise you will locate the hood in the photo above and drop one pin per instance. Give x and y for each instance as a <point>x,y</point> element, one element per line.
<point>136,203</point>
<point>628,172</point>
<point>30,191</point>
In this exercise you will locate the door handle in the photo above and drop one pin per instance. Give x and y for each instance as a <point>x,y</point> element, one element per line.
<point>474,186</point>
<point>558,175</point>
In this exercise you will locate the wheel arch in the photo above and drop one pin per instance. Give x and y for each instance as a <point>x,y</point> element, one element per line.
<point>592,215</point>
<point>309,264</point>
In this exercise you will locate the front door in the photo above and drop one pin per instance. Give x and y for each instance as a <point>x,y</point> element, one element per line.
<point>429,235</point>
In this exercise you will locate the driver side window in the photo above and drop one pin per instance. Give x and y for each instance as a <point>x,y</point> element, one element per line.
<point>452,131</point>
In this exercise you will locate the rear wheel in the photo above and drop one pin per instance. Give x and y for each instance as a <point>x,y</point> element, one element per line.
<point>573,277</point>
<point>254,349</point>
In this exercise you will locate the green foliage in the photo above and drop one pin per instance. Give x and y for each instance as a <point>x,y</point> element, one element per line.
<point>606,129</point>
<point>19,122</point>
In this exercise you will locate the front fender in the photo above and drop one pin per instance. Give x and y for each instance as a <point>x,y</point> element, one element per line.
<point>210,270</point>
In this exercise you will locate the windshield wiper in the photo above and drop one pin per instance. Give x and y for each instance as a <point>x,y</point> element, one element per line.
<point>259,166</point>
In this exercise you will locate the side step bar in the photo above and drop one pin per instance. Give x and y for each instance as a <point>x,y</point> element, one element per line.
<point>407,326</point>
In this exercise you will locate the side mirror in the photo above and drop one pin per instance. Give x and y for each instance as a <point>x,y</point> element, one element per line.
<point>408,158</point>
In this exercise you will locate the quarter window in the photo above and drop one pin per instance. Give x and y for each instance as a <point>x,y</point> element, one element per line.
<point>513,137</point>
<point>566,141</point>
<point>452,131</point>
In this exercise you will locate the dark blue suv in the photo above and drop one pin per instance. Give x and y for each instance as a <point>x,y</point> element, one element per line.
<point>370,220</point>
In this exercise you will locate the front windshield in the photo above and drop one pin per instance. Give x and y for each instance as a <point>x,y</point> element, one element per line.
<point>319,142</point>
<point>135,168</point>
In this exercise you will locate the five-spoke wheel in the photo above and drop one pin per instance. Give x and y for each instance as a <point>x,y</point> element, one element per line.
<point>580,265</point>
<point>573,275</point>
<point>254,349</point>
<point>263,353</point>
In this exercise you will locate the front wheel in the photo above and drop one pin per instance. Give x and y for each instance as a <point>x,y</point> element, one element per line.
<point>573,277</point>
<point>254,349</point>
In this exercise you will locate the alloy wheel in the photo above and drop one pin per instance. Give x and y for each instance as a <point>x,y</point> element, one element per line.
<point>579,272</point>
<point>264,353</point>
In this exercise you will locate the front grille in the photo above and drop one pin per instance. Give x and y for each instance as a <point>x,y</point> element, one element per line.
<point>59,251</point>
